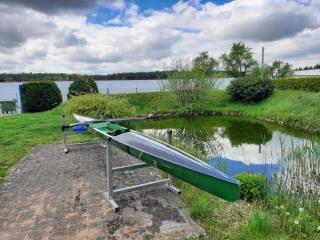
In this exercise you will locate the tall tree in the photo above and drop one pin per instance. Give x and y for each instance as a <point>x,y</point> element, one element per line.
<point>205,63</point>
<point>278,69</point>
<point>239,60</point>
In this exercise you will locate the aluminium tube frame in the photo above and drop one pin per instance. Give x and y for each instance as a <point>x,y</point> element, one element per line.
<point>109,195</point>
<point>66,133</point>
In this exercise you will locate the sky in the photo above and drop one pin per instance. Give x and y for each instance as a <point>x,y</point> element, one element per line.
<point>109,36</point>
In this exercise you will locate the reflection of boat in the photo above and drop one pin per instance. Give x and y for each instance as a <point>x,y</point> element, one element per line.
<point>166,158</point>
<point>234,167</point>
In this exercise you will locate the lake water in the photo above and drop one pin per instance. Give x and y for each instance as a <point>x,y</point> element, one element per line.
<point>237,145</point>
<point>10,91</point>
<point>313,72</point>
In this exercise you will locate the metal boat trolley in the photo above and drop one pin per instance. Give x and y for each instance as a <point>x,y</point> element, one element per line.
<point>109,170</point>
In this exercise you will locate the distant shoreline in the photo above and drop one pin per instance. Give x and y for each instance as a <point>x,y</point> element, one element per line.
<point>131,76</point>
<point>101,80</point>
<point>94,80</point>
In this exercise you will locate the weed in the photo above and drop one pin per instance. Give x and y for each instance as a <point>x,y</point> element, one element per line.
<point>202,209</point>
<point>260,224</point>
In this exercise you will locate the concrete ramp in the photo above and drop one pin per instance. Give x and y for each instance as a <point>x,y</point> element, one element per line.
<point>52,195</point>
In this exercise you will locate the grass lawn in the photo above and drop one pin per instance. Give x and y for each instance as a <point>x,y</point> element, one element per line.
<point>19,133</point>
<point>292,108</point>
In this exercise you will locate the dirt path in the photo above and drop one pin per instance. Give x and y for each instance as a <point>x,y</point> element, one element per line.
<point>52,195</point>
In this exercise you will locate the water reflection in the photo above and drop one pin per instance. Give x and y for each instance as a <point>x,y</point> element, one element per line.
<point>233,138</point>
<point>233,167</point>
<point>290,159</point>
<point>202,139</point>
<point>246,132</point>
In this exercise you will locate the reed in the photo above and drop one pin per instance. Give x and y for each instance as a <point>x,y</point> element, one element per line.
<point>294,196</point>
<point>299,175</point>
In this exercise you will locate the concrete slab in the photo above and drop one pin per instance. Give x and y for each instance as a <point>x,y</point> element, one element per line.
<point>52,195</point>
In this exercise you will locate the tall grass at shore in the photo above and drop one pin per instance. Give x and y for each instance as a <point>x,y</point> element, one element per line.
<point>295,197</point>
<point>300,172</point>
<point>290,210</point>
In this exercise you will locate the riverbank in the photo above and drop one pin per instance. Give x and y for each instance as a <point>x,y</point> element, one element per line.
<point>295,109</point>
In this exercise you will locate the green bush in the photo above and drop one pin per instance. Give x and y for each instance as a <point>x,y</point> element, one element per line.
<point>82,86</point>
<point>190,83</point>
<point>100,106</point>
<point>253,186</point>
<point>250,89</point>
<point>40,96</point>
<point>311,84</point>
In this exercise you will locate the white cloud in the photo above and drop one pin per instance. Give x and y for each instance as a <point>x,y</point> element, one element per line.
<point>18,25</point>
<point>40,42</point>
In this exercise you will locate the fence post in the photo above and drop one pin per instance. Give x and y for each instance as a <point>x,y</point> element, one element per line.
<point>108,91</point>
<point>136,90</point>
<point>21,103</point>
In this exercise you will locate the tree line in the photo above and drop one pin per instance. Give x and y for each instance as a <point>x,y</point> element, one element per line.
<point>27,77</point>
<point>317,66</point>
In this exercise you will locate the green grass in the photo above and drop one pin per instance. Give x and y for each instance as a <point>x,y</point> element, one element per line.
<point>19,133</point>
<point>260,225</point>
<point>202,209</point>
<point>293,108</point>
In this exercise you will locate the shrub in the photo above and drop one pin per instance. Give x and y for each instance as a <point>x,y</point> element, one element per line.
<point>250,88</point>
<point>100,106</point>
<point>253,186</point>
<point>40,96</point>
<point>311,84</point>
<point>82,86</point>
<point>189,83</point>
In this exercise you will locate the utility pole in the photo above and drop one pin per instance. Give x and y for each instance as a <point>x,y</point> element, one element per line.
<point>262,62</point>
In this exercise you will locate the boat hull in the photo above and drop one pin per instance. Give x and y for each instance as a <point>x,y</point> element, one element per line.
<point>221,188</point>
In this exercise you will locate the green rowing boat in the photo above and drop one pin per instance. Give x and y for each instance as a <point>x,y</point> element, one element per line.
<point>166,158</point>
